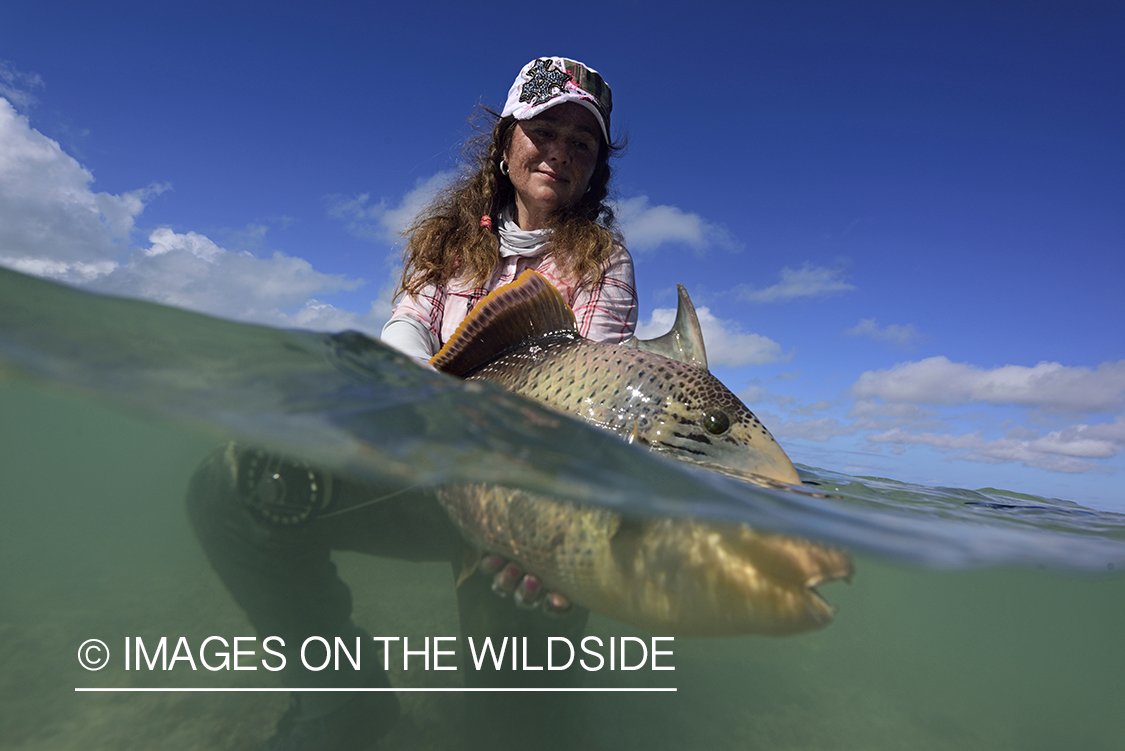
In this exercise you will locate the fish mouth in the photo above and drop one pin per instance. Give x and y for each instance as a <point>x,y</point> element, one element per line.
<point>727,579</point>
<point>785,570</point>
<point>790,570</point>
<point>763,479</point>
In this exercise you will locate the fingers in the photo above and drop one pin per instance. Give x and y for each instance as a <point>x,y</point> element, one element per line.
<point>526,589</point>
<point>506,580</point>
<point>490,564</point>
<point>555,604</point>
<point>528,592</point>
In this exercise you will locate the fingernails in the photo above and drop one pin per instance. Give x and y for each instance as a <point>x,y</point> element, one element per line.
<point>527,593</point>
<point>556,604</point>
<point>505,581</point>
<point>523,600</point>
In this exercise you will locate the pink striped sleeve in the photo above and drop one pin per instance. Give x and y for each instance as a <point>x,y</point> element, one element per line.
<point>427,308</point>
<point>607,311</point>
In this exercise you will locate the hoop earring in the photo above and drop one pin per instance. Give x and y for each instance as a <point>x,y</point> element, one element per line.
<point>503,168</point>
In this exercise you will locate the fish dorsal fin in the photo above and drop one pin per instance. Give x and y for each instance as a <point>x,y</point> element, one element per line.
<point>528,308</point>
<point>684,342</point>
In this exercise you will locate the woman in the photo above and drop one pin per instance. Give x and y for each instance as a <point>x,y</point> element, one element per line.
<point>535,200</point>
<point>268,525</point>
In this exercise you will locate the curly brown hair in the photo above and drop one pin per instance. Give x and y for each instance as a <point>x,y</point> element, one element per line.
<point>447,239</point>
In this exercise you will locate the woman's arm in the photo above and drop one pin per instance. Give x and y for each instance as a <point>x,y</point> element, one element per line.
<point>607,310</point>
<point>410,337</point>
<point>415,323</point>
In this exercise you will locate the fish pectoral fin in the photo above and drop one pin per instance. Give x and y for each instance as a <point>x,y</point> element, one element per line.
<point>626,536</point>
<point>614,525</point>
<point>470,562</point>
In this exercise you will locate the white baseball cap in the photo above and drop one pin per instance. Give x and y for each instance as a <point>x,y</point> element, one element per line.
<point>548,81</point>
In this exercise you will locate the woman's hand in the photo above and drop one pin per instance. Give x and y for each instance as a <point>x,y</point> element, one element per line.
<point>526,589</point>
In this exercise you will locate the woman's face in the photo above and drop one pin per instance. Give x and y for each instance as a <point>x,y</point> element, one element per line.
<point>551,160</point>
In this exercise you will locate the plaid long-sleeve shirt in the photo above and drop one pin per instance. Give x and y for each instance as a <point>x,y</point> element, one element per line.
<point>606,311</point>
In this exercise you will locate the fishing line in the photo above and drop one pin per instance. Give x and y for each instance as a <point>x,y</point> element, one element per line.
<point>365,504</point>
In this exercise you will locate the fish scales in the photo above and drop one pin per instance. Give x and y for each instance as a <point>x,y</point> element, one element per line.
<point>673,576</point>
<point>635,394</point>
<point>668,576</point>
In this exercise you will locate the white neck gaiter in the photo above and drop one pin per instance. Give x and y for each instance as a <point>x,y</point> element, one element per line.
<point>520,242</point>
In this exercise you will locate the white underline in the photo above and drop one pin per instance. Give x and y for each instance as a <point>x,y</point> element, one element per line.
<point>352,690</point>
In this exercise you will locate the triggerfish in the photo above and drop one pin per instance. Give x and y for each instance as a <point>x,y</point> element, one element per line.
<point>675,576</point>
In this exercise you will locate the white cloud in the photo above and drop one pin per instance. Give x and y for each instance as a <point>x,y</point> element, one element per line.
<point>806,410</point>
<point>866,408</point>
<point>978,436</point>
<point>1076,441</point>
<point>72,272</point>
<point>321,316</point>
<point>647,227</point>
<point>189,270</point>
<point>1060,451</point>
<point>1048,385</point>
<point>16,87</point>
<point>756,393</point>
<point>1114,431</point>
<point>807,281</point>
<point>753,394</point>
<point>53,224</point>
<point>820,430</point>
<point>726,344</point>
<point>901,336</point>
<point>380,222</point>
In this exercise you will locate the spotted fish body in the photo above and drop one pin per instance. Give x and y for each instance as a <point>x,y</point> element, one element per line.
<point>675,576</point>
<point>668,406</point>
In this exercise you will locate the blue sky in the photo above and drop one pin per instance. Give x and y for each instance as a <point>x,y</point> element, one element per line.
<point>903,223</point>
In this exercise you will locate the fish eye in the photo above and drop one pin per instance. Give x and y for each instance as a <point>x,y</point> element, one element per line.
<point>715,421</point>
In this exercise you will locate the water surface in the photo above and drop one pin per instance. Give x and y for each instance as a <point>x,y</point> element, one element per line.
<point>976,620</point>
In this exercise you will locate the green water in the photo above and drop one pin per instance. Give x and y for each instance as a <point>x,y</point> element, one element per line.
<point>95,544</point>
